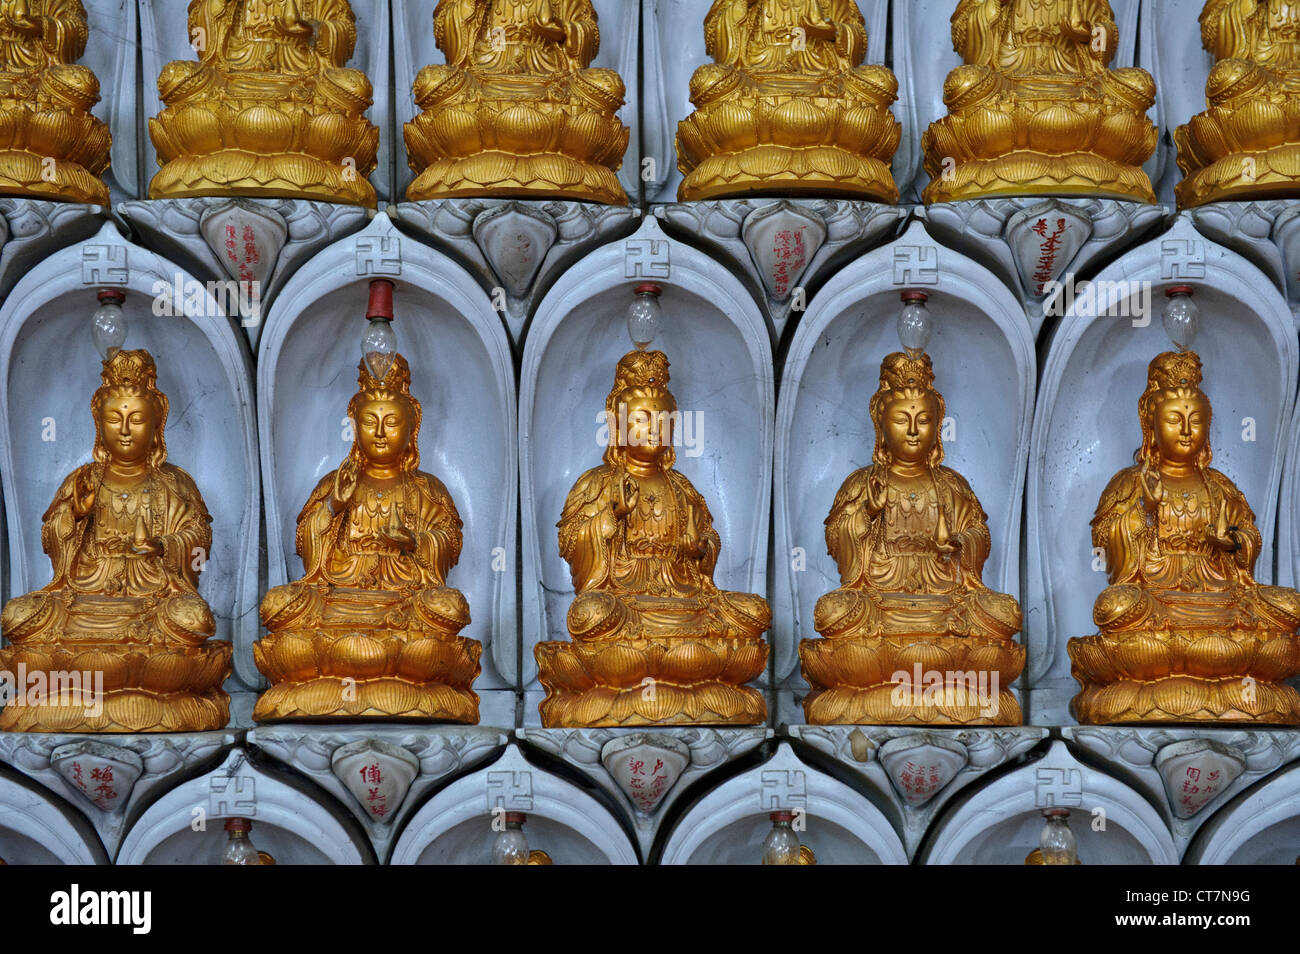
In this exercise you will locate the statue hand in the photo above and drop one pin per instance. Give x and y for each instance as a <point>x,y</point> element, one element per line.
<point>627,497</point>
<point>400,537</point>
<point>818,29</point>
<point>877,491</point>
<point>1153,488</point>
<point>1221,535</point>
<point>83,493</point>
<point>151,546</point>
<point>345,486</point>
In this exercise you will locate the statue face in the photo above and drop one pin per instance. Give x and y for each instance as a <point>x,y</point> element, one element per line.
<point>383,430</point>
<point>1180,427</point>
<point>649,431</point>
<point>128,424</point>
<point>910,426</point>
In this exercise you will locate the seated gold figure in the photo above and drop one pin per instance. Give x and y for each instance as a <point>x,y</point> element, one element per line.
<point>127,535</point>
<point>53,148</point>
<point>787,105</point>
<point>654,639</point>
<point>1246,145</point>
<point>912,635</point>
<point>1187,634</point>
<point>269,108</point>
<point>370,631</point>
<point>517,110</point>
<point>1035,108</point>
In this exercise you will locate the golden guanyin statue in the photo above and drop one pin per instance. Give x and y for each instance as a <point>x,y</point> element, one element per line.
<point>1187,634</point>
<point>53,148</point>
<point>370,631</point>
<point>1247,144</point>
<point>787,106</point>
<point>517,109</point>
<point>655,641</point>
<point>120,636</point>
<point>912,623</point>
<point>270,107</point>
<point>1035,108</point>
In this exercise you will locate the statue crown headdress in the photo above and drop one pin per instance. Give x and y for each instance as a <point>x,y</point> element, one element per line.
<point>902,372</point>
<point>130,369</point>
<point>641,369</point>
<point>397,379</point>
<point>1174,369</point>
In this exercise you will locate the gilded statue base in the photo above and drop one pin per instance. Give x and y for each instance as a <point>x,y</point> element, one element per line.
<point>651,680</point>
<point>502,175</point>
<point>1186,676</point>
<point>1262,174</point>
<point>28,175</point>
<point>374,675</point>
<point>144,688</point>
<point>1036,173</point>
<point>240,172</point>
<point>772,169</point>
<point>886,680</point>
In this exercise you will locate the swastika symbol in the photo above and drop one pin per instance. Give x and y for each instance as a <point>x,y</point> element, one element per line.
<point>104,265</point>
<point>512,791</point>
<point>646,258</point>
<point>783,789</point>
<point>379,255</point>
<point>232,796</point>
<point>1182,258</point>
<point>1058,787</point>
<point>916,265</point>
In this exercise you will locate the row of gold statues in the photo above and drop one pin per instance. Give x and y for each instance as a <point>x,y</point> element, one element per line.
<point>270,107</point>
<point>372,630</point>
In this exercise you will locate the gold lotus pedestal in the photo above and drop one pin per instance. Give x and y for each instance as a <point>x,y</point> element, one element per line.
<point>1247,144</point>
<point>269,109</point>
<point>787,107</point>
<point>517,110</point>
<point>1035,108</point>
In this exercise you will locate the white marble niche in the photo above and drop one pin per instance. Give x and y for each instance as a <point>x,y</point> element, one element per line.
<point>721,374</point>
<point>985,368</point>
<point>462,375</point>
<point>1086,426</point>
<point>49,369</point>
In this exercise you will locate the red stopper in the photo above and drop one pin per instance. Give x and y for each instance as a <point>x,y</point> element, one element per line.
<point>1055,812</point>
<point>381,299</point>
<point>115,295</point>
<point>649,288</point>
<point>238,824</point>
<point>1173,290</point>
<point>913,294</point>
<point>517,818</point>
<point>782,816</point>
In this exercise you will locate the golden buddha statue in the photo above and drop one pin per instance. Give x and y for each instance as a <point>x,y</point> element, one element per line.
<point>1246,144</point>
<point>1187,635</point>
<point>787,106</point>
<point>53,147</point>
<point>119,637</point>
<point>912,624</point>
<point>655,641</point>
<point>1035,108</point>
<point>269,108</point>
<point>517,110</point>
<point>370,631</point>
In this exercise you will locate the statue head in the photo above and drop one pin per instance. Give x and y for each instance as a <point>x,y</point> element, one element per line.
<point>1175,412</point>
<point>130,412</point>
<point>385,418</point>
<point>907,412</point>
<point>640,411</point>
